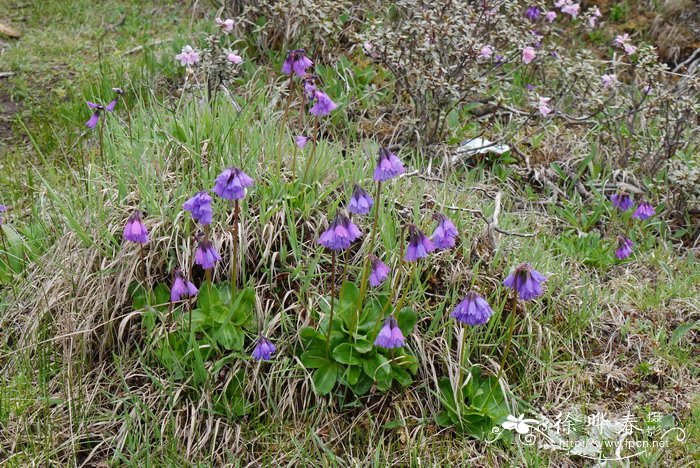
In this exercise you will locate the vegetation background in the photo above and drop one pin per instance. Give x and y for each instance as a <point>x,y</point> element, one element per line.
<point>79,384</point>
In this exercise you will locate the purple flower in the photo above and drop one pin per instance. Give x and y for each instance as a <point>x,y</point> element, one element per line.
<point>98,108</point>
<point>135,230</point>
<point>206,255</point>
<point>532,13</point>
<point>621,201</point>
<point>231,184</point>
<point>264,349</point>
<point>380,272</point>
<point>301,141</point>
<point>181,287</point>
<point>526,281</point>
<point>296,62</point>
<point>473,310</point>
<point>340,234</point>
<point>360,202</point>
<point>419,246</point>
<point>551,16</point>
<point>309,87</point>
<point>323,106</point>
<point>644,211</point>
<point>388,166</point>
<point>3,208</point>
<point>624,247</point>
<point>199,207</point>
<point>390,335</point>
<point>445,233</point>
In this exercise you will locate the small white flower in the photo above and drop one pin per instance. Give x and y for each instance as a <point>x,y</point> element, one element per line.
<point>520,424</point>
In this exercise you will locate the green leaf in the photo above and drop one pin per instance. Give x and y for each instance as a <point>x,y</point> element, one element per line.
<point>407,320</point>
<point>325,378</point>
<point>308,333</point>
<point>218,313</point>
<point>352,375</point>
<point>229,336</point>
<point>349,293</point>
<point>401,376</point>
<point>376,367</point>
<point>345,353</point>
<point>314,358</point>
<point>444,419</point>
<point>208,297</point>
<point>162,296</point>
<point>681,330</point>
<point>363,346</point>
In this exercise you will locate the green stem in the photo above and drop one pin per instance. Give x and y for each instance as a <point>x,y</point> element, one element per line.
<point>311,156</point>
<point>509,337</point>
<point>330,318</point>
<point>460,375</point>
<point>366,268</point>
<point>234,248</point>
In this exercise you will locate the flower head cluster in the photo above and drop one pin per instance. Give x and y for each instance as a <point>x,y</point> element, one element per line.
<point>234,58</point>
<point>206,255</point>
<point>181,287</point>
<point>134,230</point>
<point>380,271</point>
<point>621,201</point>
<point>323,105</point>
<point>296,62</point>
<point>568,7</point>
<point>445,233</point>
<point>543,106</point>
<point>188,56</point>
<point>529,54</point>
<point>231,184</point>
<point>301,141</point>
<point>526,281</point>
<point>644,211</point>
<point>360,201</point>
<point>609,81</point>
<point>622,40</point>
<point>264,349</point>
<point>390,336</point>
<point>419,246</point>
<point>473,310</point>
<point>486,52</point>
<point>199,207</point>
<point>551,16</point>
<point>624,247</point>
<point>532,13</point>
<point>225,25</point>
<point>340,234</point>
<point>594,16</point>
<point>388,166</point>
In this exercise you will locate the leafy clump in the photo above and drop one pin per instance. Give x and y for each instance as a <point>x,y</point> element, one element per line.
<point>350,358</point>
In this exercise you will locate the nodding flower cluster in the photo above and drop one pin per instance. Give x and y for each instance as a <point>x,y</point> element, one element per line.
<point>231,184</point>
<point>525,281</point>
<point>623,202</point>
<point>297,63</point>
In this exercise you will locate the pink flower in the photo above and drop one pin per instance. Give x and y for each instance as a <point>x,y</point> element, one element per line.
<point>225,25</point>
<point>233,58</point>
<point>593,19</point>
<point>648,90</point>
<point>528,54</point>
<point>571,9</point>
<point>609,81</point>
<point>188,56</point>
<point>551,15</point>
<point>486,52</point>
<point>630,49</point>
<point>368,46</point>
<point>543,106</point>
<point>621,39</point>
